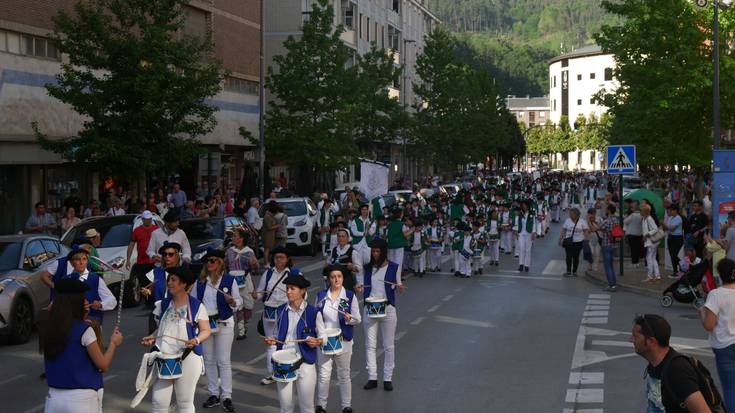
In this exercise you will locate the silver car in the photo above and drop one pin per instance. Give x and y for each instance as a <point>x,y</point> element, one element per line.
<point>22,293</point>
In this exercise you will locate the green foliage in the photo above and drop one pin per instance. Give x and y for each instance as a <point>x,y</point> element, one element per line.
<point>663,104</point>
<point>588,133</point>
<point>139,83</point>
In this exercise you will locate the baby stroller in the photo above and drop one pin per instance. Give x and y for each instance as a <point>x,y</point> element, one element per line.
<point>687,288</point>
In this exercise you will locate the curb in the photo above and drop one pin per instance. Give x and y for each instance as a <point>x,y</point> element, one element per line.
<point>623,286</point>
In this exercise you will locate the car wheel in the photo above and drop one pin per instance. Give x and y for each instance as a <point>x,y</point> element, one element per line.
<point>22,321</point>
<point>131,295</point>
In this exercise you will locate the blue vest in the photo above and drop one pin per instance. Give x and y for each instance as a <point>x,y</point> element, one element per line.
<point>269,273</point>
<point>347,329</point>
<point>391,274</point>
<point>306,327</point>
<point>73,368</point>
<point>223,309</point>
<point>192,329</point>
<point>61,272</point>
<point>160,290</point>
<point>93,294</point>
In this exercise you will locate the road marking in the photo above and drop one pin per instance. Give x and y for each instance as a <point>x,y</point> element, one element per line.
<point>554,267</point>
<point>14,378</point>
<point>447,298</point>
<point>582,411</point>
<point>417,321</point>
<point>257,359</point>
<point>400,335</point>
<point>585,396</point>
<point>521,277</point>
<point>598,302</point>
<point>434,308</point>
<point>597,307</point>
<point>586,377</point>
<point>463,321</point>
<point>594,320</point>
<point>600,296</point>
<point>599,313</point>
<point>458,289</point>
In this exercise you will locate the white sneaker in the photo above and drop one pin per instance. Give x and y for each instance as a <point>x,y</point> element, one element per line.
<point>267,380</point>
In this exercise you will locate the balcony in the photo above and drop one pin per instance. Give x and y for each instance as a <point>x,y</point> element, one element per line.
<point>393,18</point>
<point>349,37</point>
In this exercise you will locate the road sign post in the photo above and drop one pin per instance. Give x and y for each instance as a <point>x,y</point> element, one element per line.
<point>621,160</point>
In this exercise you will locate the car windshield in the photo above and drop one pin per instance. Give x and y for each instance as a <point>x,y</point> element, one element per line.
<point>10,255</point>
<point>116,236</point>
<point>204,229</point>
<point>632,182</point>
<point>294,209</point>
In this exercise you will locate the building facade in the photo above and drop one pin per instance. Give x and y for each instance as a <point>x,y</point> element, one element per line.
<point>574,79</point>
<point>28,61</point>
<point>398,25</point>
<point>529,111</point>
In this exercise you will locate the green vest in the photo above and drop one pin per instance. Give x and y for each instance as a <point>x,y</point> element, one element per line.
<point>458,240</point>
<point>378,205</point>
<point>395,235</point>
<point>360,228</point>
<point>529,223</point>
<point>456,211</point>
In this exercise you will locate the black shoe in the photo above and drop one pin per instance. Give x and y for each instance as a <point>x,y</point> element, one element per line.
<point>479,271</point>
<point>347,410</point>
<point>457,274</point>
<point>242,337</point>
<point>211,402</point>
<point>520,268</point>
<point>371,384</point>
<point>227,405</point>
<point>320,409</point>
<point>388,385</point>
<point>451,270</point>
<point>526,269</point>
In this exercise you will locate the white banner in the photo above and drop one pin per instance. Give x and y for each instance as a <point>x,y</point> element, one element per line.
<point>373,179</point>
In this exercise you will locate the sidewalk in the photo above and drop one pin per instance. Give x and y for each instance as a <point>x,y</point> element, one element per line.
<point>631,279</point>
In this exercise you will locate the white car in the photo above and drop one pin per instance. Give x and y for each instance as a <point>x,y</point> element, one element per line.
<point>450,189</point>
<point>631,183</point>
<point>302,223</point>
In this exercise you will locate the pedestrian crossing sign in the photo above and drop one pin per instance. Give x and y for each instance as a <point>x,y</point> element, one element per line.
<point>621,159</point>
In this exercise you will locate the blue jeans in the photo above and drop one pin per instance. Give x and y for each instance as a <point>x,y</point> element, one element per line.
<point>725,360</point>
<point>607,262</point>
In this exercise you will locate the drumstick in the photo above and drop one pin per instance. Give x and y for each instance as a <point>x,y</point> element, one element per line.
<point>172,337</point>
<point>394,284</point>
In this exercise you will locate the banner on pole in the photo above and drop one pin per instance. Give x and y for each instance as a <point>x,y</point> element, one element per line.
<point>373,179</point>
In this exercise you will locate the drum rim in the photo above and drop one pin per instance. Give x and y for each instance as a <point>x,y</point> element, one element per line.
<point>285,352</point>
<point>376,300</point>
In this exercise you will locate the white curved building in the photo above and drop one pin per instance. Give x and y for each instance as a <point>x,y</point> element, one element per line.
<point>574,79</point>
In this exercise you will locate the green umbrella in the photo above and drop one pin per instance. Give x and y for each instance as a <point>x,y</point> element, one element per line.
<point>655,199</point>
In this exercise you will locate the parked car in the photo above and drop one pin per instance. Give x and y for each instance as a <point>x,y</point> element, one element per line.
<point>22,293</point>
<point>302,224</point>
<point>116,232</point>
<point>206,233</point>
<point>450,189</point>
<point>631,183</point>
<point>404,196</point>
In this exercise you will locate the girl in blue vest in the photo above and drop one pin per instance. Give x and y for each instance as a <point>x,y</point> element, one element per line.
<point>183,326</point>
<point>338,308</point>
<point>381,279</point>
<point>170,253</point>
<point>297,331</point>
<point>73,356</point>
<point>219,293</point>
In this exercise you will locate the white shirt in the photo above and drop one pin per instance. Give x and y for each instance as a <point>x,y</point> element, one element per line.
<point>159,236</point>
<point>115,211</point>
<point>377,282</point>
<point>278,296</point>
<point>108,300</point>
<point>578,231</point>
<point>210,296</point>
<point>293,320</point>
<point>173,324</point>
<point>721,301</point>
<point>254,219</point>
<point>330,316</point>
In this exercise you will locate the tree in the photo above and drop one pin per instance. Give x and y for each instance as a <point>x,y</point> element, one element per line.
<point>138,81</point>
<point>591,133</point>
<point>307,124</point>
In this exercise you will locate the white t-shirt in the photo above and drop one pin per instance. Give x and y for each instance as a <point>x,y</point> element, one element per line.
<point>578,231</point>
<point>721,301</point>
<point>173,324</point>
<point>88,337</point>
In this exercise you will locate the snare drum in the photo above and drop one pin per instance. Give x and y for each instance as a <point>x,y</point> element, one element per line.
<point>169,368</point>
<point>333,345</point>
<point>239,276</point>
<point>436,245</point>
<point>466,254</point>
<point>376,307</point>
<point>477,254</point>
<point>270,313</point>
<point>286,364</point>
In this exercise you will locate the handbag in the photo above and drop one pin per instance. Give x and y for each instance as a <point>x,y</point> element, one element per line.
<point>617,231</point>
<point>568,241</point>
<point>658,236</point>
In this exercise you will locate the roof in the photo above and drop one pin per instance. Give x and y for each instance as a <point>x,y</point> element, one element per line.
<point>584,51</point>
<point>513,102</point>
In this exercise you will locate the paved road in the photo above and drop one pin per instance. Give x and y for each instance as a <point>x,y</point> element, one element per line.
<point>498,342</point>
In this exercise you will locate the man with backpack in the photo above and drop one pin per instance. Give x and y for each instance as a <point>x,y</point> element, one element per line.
<point>675,383</point>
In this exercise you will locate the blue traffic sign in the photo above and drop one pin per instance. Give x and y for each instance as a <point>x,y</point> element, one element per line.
<point>621,159</point>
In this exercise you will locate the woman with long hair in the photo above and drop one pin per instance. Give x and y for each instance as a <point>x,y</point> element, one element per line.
<point>70,219</point>
<point>73,358</point>
<point>650,228</point>
<point>219,293</point>
<point>573,233</point>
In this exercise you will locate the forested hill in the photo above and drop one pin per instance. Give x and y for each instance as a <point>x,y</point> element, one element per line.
<point>514,38</point>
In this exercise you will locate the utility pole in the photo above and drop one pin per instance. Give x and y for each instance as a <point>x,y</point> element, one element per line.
<point>261,104</point>
<point>716,76</point>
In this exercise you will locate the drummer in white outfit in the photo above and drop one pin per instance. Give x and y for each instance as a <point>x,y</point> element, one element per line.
<point>272,292</point>
<point>338,309</point>
<point>381,278</point>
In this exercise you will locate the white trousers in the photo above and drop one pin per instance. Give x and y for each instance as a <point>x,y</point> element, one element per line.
<point>184,386</point>
<point>387,327</point>
<point>555,213</point>
<point>455,260</point>
<point>476,263</point>
<point>73,400</point>
<point>270,331</point>
<point>524,249</point>
<point>506,238</point>
<point>651,264</point>
<point>396,255</point>
<point>217,365</point>
<point>435,258</point>
<point>419,262</point>
<point>465,265</point>
<point>342,361</point>
<point>304,387</point>
<point>540,227</point>
<point>493,249</point>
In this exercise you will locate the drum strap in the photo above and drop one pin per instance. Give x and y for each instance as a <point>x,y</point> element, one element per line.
<point>293,368</point>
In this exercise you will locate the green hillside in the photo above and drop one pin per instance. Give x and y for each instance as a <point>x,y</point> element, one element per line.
<point>514,38</point>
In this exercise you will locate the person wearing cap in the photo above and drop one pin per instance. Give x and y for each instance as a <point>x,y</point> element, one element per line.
<point>73,357</point>
<point>298,329</point>
<point>58,269</point>
<point>525,229</point>
<point>359,229</point>
<point>95,239</point>
<point>98,296</point>
<point>347,255</point>
<point>219,293</point>
<point>183,327</point>
<point>140,238</point>
<point>381,278</point>
<point>271,291</point>
<point>155,279</point>
<point>169,232</point>
<point>338,308</point>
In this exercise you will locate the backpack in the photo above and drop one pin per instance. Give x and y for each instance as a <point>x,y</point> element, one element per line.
<point>708,388</point>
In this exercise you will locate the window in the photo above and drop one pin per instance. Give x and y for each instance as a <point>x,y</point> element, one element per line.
<point>608,74</point>
<point>532,116</point>
<point>52,247</point>
<point>359,29</point>
<point>565,63</point>
<point>554,81</point>
<point>592,75</point>
<point>367,29</point>
<point>10,255</point>
<point>35,255</point>
<point>592,157</point>
<point>579,102</point>
<point>592,101</point>
<point>348,18</point>
<point>396,6</point>
<point>28,45</point>
<point>248,87</point>
<point>579,77</point>
<point>394,38</point>
<point>554,109</point>
<point>382,37</point>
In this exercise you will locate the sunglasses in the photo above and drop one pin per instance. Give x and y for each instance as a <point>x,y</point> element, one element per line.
<point>647,326</point>
<point>212,260</point>
<point>169,254</point>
